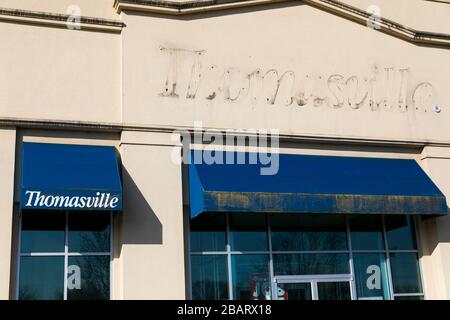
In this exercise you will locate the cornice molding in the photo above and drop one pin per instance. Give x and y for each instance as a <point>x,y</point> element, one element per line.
<point>59,20</point>
<point>86,126</point>
<point>332,6</point>
<point>185,7</point>
<point>385,25</point>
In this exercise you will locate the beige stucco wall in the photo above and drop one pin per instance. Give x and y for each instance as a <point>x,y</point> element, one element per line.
<point>87,76</point>
<point>435,233</point>
<point>151,252</point>
<point>313,45</point>
<point>434,15</point>
<point>59,74</point>
<point>7,154</point>
<point>306,44</point>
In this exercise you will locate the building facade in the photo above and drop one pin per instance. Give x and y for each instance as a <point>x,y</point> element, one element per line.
<point>314,136</point>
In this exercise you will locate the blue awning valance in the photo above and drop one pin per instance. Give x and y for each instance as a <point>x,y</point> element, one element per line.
<point>70,177</point>
<point>315,184</point>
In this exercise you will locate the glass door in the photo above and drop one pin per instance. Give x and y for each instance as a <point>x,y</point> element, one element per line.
<point>339,290</point>
<point>294,291</point>
<point>309,288</point>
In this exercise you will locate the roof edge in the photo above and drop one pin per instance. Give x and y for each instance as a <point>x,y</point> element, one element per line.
<point>60,20</point>
<point>335,7</point>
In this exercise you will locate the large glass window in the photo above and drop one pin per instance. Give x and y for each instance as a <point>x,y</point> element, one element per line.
<point>371,276</point>
<point>251,280</point>
<point>56,244</point>
<point>209,277</point>
<point>43,231</point>
<point>294,291</point>
<point>311,263</point>
<point>248,232</point>
<point>88,278</point>
<point>208,233</point>
<point>366,232</point>
<point>334,291</point>
<point>400,232</point>
<point>41,278</point>
<point>405,273</point>
<point>88,232</point>
<point>298,232</point>
<point>242,255</point>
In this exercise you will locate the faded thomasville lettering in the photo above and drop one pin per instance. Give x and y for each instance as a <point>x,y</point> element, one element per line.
<point>382,89</point>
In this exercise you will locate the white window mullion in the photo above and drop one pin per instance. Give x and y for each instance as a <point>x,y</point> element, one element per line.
<point>388,260</point>
<point>353,292</point>
<point>19,244</point>
<point>229,262</point>
<point>273,284</point>
<point>66,252</point>
<point>111,257</point>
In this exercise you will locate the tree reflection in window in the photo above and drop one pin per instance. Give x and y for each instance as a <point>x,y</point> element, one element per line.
<point>41,275</point>
<point>94,278</point>
<point>89,232</point>
<point>308,232</point>
<point>311,263</point>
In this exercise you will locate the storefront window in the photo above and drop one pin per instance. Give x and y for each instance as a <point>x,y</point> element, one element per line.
<point>366,232</point>
<point>43,231</point>
<point>403,257</point>
<point>294,291</point>
<point>293,232</point>
<point>57,243</point>
<point>334,290</point>
<point>405,273</point>
<point>94,280</point>
<point>209,277</point>
<point>88,232</point>
<point>310,264</point>
<point>298,256</point>
<point>400,232</point>
<point>41,278</point>
<point>248,232</point>
<point>371,276</point>
<point>418,297</point>
<point>251,280</point>
<point>208,233</point>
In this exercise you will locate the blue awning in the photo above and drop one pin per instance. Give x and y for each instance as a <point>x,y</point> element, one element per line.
<point>314,184</point>
<point>70,177</point>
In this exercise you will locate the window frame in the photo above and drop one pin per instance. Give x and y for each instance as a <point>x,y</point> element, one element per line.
<point>66,254</point>
<point>386,252</point>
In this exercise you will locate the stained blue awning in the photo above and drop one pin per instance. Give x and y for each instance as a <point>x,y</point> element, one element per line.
<point>70,177</point>
<point>314,184</point>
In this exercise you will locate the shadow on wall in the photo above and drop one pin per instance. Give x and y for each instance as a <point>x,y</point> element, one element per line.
<point>437,232</point>
<point>218,13</point>
<point>138,222</point>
